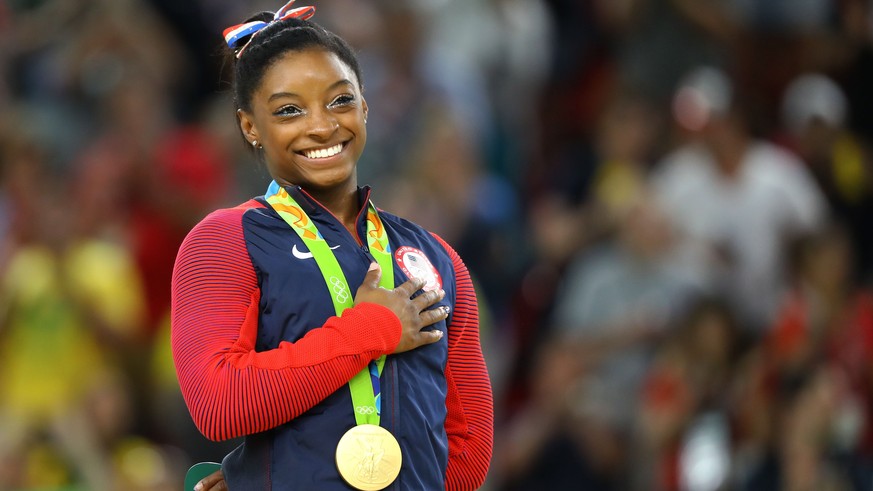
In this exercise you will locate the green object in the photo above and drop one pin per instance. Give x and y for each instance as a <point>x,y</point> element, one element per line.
<point>198,472</point>
<point>364,385</point>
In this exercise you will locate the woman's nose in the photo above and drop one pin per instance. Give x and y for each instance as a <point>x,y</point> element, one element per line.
<point>322,124</point>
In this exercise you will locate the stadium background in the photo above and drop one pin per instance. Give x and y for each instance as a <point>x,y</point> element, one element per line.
<point>630,346</point>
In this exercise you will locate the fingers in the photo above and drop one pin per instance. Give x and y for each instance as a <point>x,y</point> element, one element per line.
<point>432,316</point>
<point>374,274</point>
<point>410,287</point>
<point>212,482</point>
<point>427,299</point>
<point>429,337</point>
<point>219,486</point>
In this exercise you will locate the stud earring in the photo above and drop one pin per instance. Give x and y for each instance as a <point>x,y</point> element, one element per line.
<point>254,143</point>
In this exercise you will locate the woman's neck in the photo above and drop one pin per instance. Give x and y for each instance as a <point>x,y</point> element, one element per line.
<point>344,206</point>
<point>342,202</point>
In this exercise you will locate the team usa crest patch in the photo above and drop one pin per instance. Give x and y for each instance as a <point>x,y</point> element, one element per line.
<point>415,264</point>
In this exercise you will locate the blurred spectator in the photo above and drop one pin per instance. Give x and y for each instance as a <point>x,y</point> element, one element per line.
<point>65,56</point>
<point>815,114</point>
<point>137,463</point>
<point>665,39</point>
<point>71,309</point>
<point>608,172</point>
<point>22,163</point>
<point>741,198</point>
<point>803,396</point>
<point>581,78</point>
<point>152,178</point>
<point>614,303</point>
<point>820,353</point>
<point>587,202</point>
<point>786,14</point>
<point>855,70</point>
<point>507,43</point>
<point>683,437</point>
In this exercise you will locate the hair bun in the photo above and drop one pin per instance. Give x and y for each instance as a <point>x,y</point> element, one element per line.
<point>265,16</point>
<point>240,35</point>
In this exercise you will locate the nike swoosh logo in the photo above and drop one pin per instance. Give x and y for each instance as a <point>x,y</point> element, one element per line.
<point>305,255</point>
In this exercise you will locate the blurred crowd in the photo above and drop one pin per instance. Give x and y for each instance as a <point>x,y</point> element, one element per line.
<point>667,207</point>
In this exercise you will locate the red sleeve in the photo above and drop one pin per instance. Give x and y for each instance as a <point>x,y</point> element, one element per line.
<point>230,389</point>
<point>470,419</point>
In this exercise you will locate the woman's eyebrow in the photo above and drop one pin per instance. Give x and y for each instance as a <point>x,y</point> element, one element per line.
<point>279,95</point>
<point>344,81</point>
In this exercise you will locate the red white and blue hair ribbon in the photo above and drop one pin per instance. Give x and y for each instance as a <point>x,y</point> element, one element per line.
<point>234,34</point>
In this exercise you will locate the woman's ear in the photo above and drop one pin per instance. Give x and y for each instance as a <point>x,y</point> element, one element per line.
<point>365,108</point>
<point>247,126</point>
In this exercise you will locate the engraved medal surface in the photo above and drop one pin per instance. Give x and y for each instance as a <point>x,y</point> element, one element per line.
<point>368,457</point>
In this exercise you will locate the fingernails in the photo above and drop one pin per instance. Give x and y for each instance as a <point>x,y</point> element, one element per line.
<point>442,293</point>
<point>438,334</point>
<point>198,486</point>
<point>373,266</point>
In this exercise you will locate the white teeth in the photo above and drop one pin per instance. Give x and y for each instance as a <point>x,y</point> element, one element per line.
<point>323,153</point>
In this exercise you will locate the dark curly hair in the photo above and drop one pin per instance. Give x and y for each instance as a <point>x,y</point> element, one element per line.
<point>272,42</point>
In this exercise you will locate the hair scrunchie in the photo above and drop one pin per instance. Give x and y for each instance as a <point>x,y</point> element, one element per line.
<point>233,35</point>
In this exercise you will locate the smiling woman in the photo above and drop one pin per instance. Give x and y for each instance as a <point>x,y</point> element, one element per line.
<point>311,126</point>
<point>383,387</point>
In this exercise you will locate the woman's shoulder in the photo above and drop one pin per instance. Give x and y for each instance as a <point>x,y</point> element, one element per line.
<point>222,224</point>
<point>217,242</point>
<point>227,216</point>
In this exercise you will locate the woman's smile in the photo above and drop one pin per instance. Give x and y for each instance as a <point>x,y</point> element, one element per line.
<point>322,154</point>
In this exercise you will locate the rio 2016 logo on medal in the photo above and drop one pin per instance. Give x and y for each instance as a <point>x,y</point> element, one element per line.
<point>368,457</point>
<point>415,264</point>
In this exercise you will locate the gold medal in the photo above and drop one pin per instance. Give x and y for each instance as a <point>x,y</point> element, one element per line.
<point>368,457</point>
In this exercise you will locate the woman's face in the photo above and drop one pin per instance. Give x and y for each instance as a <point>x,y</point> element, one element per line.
<point>308,114</point>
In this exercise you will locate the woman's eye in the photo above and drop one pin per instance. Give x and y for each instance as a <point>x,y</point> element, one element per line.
<point>343,100</point>
<point>288,111</point>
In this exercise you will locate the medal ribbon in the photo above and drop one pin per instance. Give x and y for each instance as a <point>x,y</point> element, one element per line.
<point>364,386</point>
